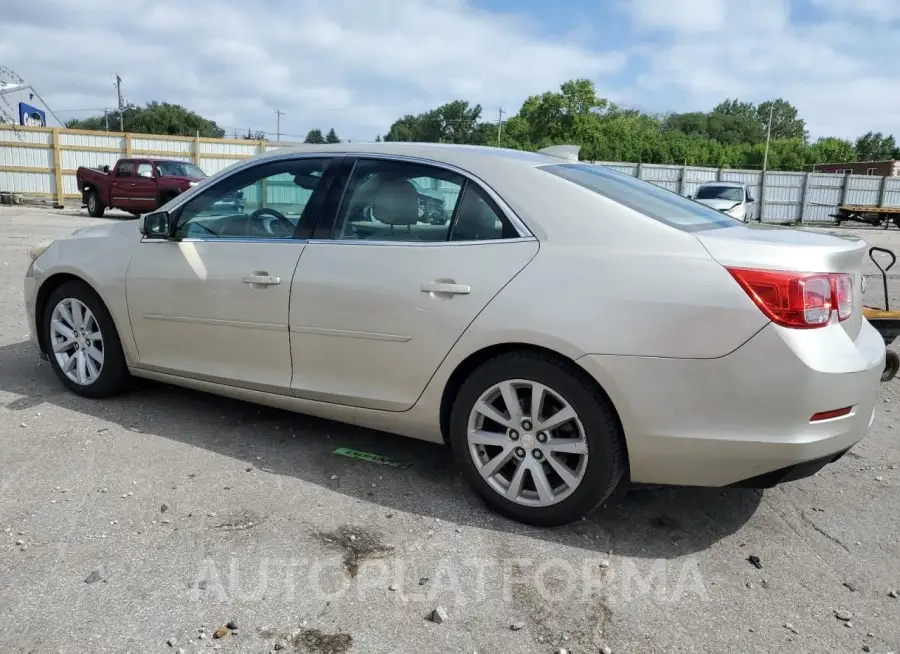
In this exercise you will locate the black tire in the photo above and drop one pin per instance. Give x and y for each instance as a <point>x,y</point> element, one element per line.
<point>891,366</point>
<point>94,206</point>
<point>114,377</point>
<point>606,453</point>
<point>166,198</point>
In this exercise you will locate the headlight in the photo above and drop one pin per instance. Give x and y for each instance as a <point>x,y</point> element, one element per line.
<point>736,212</point>
<point>193,183</point>
<point>38,250</point>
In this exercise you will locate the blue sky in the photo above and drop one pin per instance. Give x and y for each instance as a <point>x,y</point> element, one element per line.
<point>356,65</point>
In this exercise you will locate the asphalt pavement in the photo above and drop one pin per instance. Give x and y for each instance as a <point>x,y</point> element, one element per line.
<point>149,522</point>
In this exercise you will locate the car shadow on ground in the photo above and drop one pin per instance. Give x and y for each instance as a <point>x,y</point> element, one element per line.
<point>641,522</point>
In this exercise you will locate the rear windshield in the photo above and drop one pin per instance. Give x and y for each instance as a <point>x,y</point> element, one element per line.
<point>651,200</point>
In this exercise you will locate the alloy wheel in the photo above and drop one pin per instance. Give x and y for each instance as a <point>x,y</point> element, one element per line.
<point>527,443</point>
<point>76,341</point>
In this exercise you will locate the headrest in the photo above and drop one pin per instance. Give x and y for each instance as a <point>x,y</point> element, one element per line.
<point>396,202</point>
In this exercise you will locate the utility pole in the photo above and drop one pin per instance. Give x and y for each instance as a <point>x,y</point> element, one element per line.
<point>279,113</point>
<point>121,104</point>
<point>768,137</point>
<point>106,118</point>
<point>500,113</point>
<point>762,179</point>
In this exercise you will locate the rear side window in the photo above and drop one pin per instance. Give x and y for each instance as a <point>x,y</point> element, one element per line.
<point>646,198</point>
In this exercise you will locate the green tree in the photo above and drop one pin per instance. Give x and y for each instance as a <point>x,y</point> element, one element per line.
<point>314,136</point>
<point>875,146</point>
<point>453,122</point>
<point>254,135</point>
<point>731,135</point>
<point>831,150</point>
<point>694,123</point>
<point>785,122</point>
<point>332,137</point>
<point>154,118</point>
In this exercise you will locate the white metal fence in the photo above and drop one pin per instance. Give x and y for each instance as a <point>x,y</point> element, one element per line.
<point>783,197</point>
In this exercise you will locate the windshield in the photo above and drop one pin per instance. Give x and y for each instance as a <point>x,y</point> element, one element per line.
<point>178,169</point>
<point>651,200</point>
<point>730,193</point>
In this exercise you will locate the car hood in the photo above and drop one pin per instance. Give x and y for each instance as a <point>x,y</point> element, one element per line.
<point>106,230</point>
<point>719,204</point>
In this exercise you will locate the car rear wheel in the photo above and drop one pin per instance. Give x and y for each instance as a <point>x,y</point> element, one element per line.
<point>82,343</point>
<point>536,442</point>
<point>94,206</point>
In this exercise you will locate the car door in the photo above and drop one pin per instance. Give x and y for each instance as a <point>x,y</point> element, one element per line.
<point>211,301</point>
<point>380,299</point>
<point>120,185</point>
<point>143,188</point>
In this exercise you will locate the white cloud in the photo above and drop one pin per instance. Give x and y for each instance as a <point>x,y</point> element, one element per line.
<point>829,62</point>
<point>354,65</point>
<point>357,65</point>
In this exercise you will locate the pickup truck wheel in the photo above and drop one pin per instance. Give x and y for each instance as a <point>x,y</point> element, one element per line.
<point>94,206</point>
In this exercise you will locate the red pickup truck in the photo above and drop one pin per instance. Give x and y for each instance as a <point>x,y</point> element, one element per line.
<point>135,185</point>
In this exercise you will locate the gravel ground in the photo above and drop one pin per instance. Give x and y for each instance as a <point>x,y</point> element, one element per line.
<point>163,515</point>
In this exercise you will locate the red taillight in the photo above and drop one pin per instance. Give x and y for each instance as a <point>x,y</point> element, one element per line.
<point>831,415</point>
<point>796,299</point>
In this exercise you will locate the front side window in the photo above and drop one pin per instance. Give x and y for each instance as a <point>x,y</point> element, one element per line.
<point>267,201</point>
<point>651,200</point>
<point>178,169</point>
<point>124,169</point>
<point>730,193</point>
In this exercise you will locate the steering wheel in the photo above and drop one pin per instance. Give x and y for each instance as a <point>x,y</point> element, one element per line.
<point>273,222</point>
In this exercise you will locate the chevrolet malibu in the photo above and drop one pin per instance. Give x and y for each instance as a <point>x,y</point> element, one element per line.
<point>561,326</point>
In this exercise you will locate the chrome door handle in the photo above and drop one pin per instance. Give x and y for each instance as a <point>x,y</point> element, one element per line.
<point>447,288</point>
<point>261,280</point>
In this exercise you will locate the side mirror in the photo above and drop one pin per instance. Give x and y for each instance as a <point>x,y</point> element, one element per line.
<point>750,200</point>
<point>690,196</point>
<point>105,169</point>
<point>155,225</point>
<point>146,173</point>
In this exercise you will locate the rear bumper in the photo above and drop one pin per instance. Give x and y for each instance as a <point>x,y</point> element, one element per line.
<point>789,473</point>
<point>745,418</point>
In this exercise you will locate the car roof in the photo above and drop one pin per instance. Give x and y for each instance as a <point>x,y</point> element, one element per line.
<point>464,156</point>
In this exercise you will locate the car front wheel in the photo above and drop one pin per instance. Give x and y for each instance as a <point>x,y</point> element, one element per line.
<point>536,441</point>
<point>82,342</point>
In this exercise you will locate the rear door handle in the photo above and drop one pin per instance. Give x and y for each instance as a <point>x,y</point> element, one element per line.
<point>261,280</point>
<point>446,288</point>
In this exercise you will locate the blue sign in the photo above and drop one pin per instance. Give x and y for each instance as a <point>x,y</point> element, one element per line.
<point>31,116</point>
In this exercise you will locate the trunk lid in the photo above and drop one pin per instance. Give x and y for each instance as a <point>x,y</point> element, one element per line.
<point>770,247</point>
